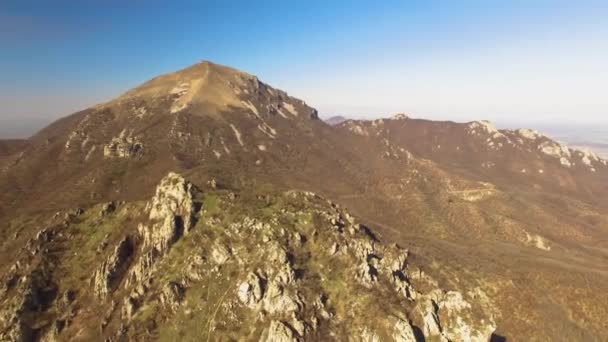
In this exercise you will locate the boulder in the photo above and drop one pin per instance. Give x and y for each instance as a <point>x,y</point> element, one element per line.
<point>250,292</point>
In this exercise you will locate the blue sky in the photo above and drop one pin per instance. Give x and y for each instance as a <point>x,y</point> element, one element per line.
<point>515,62</point>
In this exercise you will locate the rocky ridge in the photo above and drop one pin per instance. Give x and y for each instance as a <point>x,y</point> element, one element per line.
<point>283,268</point>
<point>512,213</point>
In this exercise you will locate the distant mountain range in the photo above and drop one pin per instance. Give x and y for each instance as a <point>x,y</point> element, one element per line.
<point>207,205</point>
<point>335,120</point>
<point>586,137</point>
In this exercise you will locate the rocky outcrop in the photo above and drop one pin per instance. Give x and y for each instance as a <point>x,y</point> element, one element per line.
<point>250,291</point>
<point>143,268</point>
<point>452,326</point>
<point>403,332</point>
<point>277,300</point>
<point>173,209</point>
<point>110,271</point>
<point>123,146</point>
<point>171,212</point>
<point>280,332</point>
<point>172,295</point>
<point>276,290</point>
<point>430,319</point>
<point>220,254</point>
<point>302,267</point>
<point>33,292</point>
<point>368,335</point>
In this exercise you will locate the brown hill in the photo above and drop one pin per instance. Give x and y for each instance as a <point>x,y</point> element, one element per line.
<point>516,158</point>
<point>511,213</point>
<point>11,146</point>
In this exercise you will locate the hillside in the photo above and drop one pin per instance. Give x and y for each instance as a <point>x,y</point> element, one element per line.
<point>207,198</point>
<point>11,146</point>
<point>189,259</point>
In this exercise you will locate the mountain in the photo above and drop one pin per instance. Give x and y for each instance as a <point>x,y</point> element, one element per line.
<point>512,158</point>
<point>207,198</point>
<point>335,120</point>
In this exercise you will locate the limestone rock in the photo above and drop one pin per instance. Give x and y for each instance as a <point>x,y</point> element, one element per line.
<point>250,292</point>
<point>367,274</point>
<point>280,332</point>
<point>142,268</point>
<point>220,254</point>
<point>430,319</point>
<point>129,308</point>
<point>403,332</point>
<point>453,308</point>
<point>161,235</point>
<point>368,335</point>
<point>319,305</point>
<point>172,210</point>
<point>284,274</point>
<point>299,326</point>
<point>363,248</point>
<point>33,292</point>
<point>123,146</point>
<point>172,295</point>
<point>108,274</point>
<point>277,253</point>
<point>174,196</point>
<point>277,300</point>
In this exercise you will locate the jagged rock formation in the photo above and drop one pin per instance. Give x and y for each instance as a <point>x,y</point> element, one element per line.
<point>28,288</point>
<point>123,147</point>
<point>504,228</point>
<point>298,267</point>
<point>172,212</point>
<point>109,272</point>
<point>280,332</point>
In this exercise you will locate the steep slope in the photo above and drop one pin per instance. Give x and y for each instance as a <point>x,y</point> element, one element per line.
<point>538,233</point>
<point>454,194</point>
<point>206,116</point>
<point>222,265</point>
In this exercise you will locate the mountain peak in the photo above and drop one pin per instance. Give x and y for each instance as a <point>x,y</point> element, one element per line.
<point>214,85</point>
